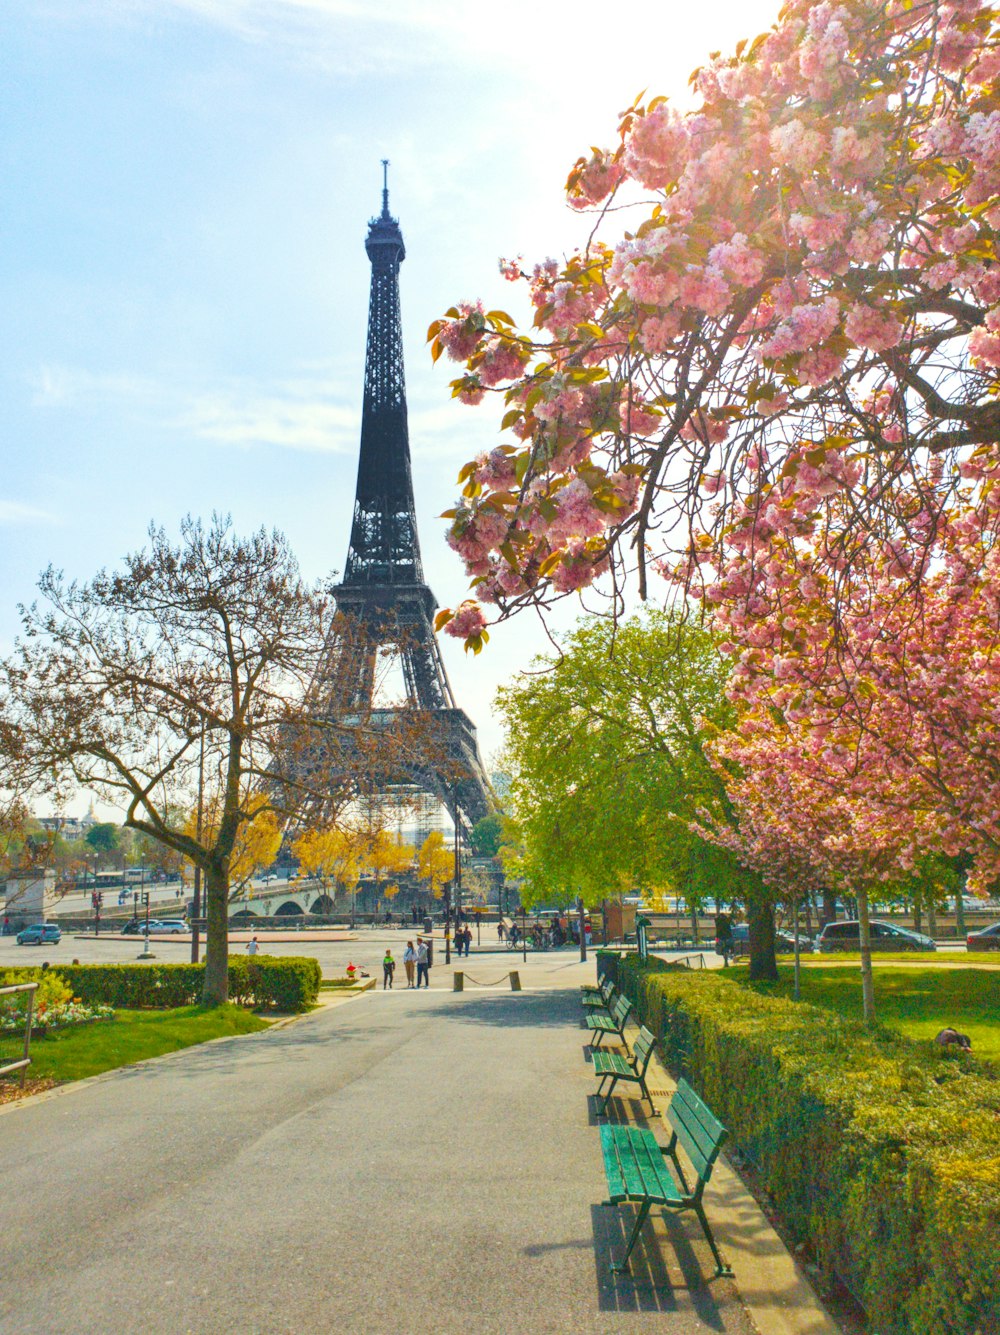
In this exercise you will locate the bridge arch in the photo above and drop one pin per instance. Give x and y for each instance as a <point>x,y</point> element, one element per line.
<point>289,909</point>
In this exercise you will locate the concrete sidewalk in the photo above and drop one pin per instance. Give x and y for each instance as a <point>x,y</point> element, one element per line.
<point>402,1162</point>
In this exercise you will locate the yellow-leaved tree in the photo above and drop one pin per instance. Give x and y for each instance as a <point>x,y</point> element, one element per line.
<point>436,863</point>
<point>332,855</point>
<point>385,857</point>
<point>257,842</point>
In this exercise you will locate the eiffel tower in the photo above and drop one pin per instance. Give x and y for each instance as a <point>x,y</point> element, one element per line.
<point>385,610</point>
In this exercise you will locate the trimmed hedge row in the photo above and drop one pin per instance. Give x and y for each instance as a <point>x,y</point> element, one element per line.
<point>288,983</point>
<point>881,1153</point>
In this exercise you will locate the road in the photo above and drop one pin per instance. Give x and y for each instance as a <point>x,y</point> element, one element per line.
<point>402,1163</point>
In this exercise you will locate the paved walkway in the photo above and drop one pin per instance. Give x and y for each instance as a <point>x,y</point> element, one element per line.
<point>400,1163</point>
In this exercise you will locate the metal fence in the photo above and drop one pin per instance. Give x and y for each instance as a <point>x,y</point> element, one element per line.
<point>14,1046</point>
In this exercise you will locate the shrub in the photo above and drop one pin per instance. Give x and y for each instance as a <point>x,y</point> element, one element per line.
<point>880,1152</point>
<point>288,983</point>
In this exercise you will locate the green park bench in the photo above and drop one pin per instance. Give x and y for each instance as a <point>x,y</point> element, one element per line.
<point>602,998</point>
<point>638,1168</point>
<point>613,1023</point>
<point>614,1067</point>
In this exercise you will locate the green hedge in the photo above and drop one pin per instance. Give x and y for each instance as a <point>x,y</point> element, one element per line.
<point>289,983</point>
<point>880,1152</point>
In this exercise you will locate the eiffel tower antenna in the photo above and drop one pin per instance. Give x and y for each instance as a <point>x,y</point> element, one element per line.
<point>384,605</point>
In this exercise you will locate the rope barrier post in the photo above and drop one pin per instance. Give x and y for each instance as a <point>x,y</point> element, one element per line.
<point>515,980</point>
<point>459,984</point>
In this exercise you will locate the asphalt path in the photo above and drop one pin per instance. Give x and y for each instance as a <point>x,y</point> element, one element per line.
<point>401,1162</point>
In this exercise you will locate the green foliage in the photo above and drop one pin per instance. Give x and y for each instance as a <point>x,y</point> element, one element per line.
<point>486,836</point>
<point>882,1153</point>
<point>605,749</point>
<point>105,838</point>
<point>289,983</point>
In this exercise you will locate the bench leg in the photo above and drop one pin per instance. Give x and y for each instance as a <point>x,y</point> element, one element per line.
<point>722,1271</point>
<point>648,1098</point>
<point>607,1098</point>
<point>640,1220</point>
<point>596,1043</point>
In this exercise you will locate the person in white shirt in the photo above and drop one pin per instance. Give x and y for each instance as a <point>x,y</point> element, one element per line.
<point>252,946</point>
<point>409,962</point>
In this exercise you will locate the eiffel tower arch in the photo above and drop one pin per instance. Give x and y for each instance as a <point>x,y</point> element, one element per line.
<point>385,609</point>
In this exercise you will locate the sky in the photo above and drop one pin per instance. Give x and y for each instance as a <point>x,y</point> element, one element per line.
<point>183,283</point>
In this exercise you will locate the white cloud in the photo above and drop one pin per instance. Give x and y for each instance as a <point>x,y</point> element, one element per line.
<point>297,413</point>
<point>16,512</point>
<point>289,422</point>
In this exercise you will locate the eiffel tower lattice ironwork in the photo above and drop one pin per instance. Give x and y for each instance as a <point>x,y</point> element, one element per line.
<point>384,605</point>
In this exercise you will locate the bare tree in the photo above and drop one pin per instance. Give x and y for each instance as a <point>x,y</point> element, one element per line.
<point>194,657</point>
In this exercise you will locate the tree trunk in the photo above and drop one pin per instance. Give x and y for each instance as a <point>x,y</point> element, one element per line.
<point>694,923</point>
<point>216,988</point>
<point>829,908</point>
<point>960,910</point>
<point>760,919</point>
<point>867,981</point>
<point>932,915</point>
<point>918,917</point>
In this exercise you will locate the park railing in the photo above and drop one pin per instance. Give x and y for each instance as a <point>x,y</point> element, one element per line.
<point>12,1040</point>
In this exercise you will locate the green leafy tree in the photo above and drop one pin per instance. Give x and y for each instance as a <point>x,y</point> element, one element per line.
<point>609,775</point>
<point>104,838</point>
<point>486,836</point>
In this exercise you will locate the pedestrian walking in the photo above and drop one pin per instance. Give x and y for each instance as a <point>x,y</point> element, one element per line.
<point>422,964</point>
<point>409,962</point>
<point>500,931</point>
<point>468,940</point>
<point>252,946</point>
<point>388,969</point>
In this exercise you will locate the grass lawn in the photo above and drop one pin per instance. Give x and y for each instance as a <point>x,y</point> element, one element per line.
<point>131,1037</point>
<point>917,1002</point>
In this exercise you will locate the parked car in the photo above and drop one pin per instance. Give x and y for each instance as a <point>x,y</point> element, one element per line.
<point>784,942</point>
<point>137,926</point>
<point>846,935</point>
<point>39,933</point>
<point>986,939</point>
<point>170,926</point>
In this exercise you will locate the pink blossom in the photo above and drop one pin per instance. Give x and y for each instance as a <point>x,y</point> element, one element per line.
<point>504,361</point>
<point>462,336</point>
<point>706,289</point>
<point>804,327</point>
<point>658,332</point>
<point>469,620</point>
<point>738,259</point>
<point>819,367</point>
<point>869,328</point>
<point>797,146</point>
<point>985,347</point>
<point>656,148</point>
<point>706,428</point>
<point>594,180</point>
<point>637,419</point>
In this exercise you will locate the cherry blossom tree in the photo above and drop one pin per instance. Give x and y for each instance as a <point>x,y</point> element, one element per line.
<point>806,303</point>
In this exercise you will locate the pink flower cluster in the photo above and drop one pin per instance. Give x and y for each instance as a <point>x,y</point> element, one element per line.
<point>461,337</point>
<point>656,149</point>
<point>468,620</point>
<point>869,328</point>
<point>803,328</point>
<point>594,180</point>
